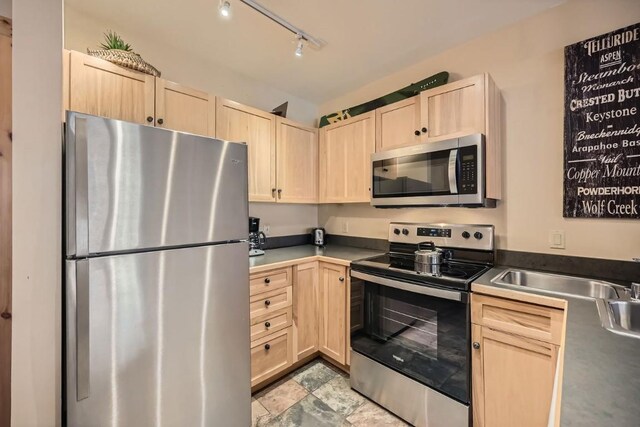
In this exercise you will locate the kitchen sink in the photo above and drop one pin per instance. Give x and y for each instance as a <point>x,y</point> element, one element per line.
<point>562,285</point>
<point>622,317</point>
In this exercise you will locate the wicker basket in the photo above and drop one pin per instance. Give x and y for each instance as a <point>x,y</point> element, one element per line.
<point>125,59</point>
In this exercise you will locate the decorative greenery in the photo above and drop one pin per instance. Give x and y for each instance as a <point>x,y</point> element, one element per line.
<point>113,41</point>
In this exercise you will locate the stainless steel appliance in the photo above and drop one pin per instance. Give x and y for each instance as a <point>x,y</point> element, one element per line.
<point>410,329</point>
<point>256,237</point>
<point>444,173</point>
<point>318,236</point>
<point>156,253</point>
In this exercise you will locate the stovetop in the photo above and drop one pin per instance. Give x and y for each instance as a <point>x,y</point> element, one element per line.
<point>453,274</point>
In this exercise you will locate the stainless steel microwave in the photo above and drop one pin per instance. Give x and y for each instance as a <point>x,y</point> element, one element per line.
<point>443,173</point>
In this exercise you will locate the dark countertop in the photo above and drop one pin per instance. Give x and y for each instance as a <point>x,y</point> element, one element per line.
<point>345,253</point>
<point>601,384</point>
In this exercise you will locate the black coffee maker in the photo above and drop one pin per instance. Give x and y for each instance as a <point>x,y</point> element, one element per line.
<point>256,237</point>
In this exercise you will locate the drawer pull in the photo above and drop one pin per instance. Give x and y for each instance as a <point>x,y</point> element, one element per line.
<point>476,345</point>
<point>267,280</point>
<point>267,324</point>
<point>267,346</point>
<point>267,303</point>
<point>341,279</point>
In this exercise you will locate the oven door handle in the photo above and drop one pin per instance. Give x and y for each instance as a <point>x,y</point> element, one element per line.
<point>424,290</point>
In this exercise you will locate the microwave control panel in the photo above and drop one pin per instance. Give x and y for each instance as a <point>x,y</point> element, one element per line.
<point>468,179</point>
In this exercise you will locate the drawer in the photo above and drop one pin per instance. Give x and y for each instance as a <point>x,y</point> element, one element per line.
<point>270,355</point>
<point>271,322</point>
<point>523,319</point>
<point>268,302</point>
<point>269,280</point>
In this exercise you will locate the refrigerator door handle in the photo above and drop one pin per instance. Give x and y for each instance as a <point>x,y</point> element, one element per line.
<point>81,188</point>
<point>82,329</point>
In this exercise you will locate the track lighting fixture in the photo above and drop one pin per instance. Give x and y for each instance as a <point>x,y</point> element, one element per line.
<point>225,8</point>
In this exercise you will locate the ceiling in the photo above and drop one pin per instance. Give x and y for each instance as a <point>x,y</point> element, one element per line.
<point>365,39</point>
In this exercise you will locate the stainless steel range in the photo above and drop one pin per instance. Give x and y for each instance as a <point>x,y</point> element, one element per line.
<point>410,320</point>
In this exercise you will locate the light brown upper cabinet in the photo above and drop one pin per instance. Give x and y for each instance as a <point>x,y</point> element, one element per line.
<point>98,87</point>
<point>345,160</point>
<point>398,124</point>
<point>455,109</point>
<point>101,88</point>
<point>184,109</point>
<point>333,311</point>
<point>297,162</point>
<point>256,128</point>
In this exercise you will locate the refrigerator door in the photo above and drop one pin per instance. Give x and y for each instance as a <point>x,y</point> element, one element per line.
<point>132,187</point>
<point>159,338</point>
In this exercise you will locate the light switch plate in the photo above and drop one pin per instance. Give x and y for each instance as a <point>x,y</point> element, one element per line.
<point>345,226</point>
<point>266,229</point>
<point>556,239</point>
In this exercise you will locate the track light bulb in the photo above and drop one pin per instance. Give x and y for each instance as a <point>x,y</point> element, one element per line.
<point>225,9</point>
<point>300,46</point>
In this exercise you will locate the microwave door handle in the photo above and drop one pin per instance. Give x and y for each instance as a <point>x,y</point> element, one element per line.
<point>453,163</point>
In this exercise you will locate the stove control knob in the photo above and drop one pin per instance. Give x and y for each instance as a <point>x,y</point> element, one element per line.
<point>396,231</point>
<point>466,234</point>
<point>405,231</point>
<point>477,235</point>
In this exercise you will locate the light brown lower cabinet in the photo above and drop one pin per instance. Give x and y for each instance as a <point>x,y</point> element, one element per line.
<point>305,309</point>
<point>270,355</point>
<point>333,311</point>
<point>513,374</point>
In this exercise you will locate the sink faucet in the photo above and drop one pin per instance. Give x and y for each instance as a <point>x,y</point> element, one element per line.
<point>635,291</point>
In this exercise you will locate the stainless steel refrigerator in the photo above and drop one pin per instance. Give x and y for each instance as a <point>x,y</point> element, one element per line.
<point>157,277</point>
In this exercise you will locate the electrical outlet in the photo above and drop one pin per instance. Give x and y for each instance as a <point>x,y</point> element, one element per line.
<point>266,229</point>
<point>345,226</point>
<point>556,239</point>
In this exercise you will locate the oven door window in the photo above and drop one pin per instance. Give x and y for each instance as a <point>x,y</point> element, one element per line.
<point>422,337</point>
<point>425,174</point>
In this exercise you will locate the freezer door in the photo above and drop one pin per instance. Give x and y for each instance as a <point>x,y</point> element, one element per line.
<point>159,338</point>
<point>131,187</point>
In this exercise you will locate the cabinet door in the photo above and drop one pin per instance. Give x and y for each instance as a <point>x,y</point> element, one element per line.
<point>101,88</point>
<point>398,124</point>
<point>256,128</point>
<point>512,379</point>
<point>333,311</point>
<point>297,162</point>
<point>305,310</point>
<point>345,160</point>
<point>454,110</point>
<point>184,109</point>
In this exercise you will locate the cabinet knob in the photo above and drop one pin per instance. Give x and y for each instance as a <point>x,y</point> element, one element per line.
<point>5,315</point>
<point>417,133</point>
<point>149,119</point>
<point>267,303</point>
<point>160,121</point>
<point>279,193</point>
<point>476,345</point>
<point>273,192</point>
<point>424,130</point>
<point>267,280</point>
<point>341,279</point>
<point>267,346</point>
<point>267,324</point>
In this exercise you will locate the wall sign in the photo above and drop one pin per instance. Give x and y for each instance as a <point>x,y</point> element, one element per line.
<point>602,126</point>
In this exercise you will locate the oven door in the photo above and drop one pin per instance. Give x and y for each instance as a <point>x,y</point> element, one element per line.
<point>419,331</point>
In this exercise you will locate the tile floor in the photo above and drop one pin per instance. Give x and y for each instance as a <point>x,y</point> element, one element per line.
<point>317,394</point>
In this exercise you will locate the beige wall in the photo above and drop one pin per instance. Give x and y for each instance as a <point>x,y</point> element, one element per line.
<point>285,219</point>
<point>526,61</point>
<point>83,31</point>
<point>37,154</point>
<point>5,8</point>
